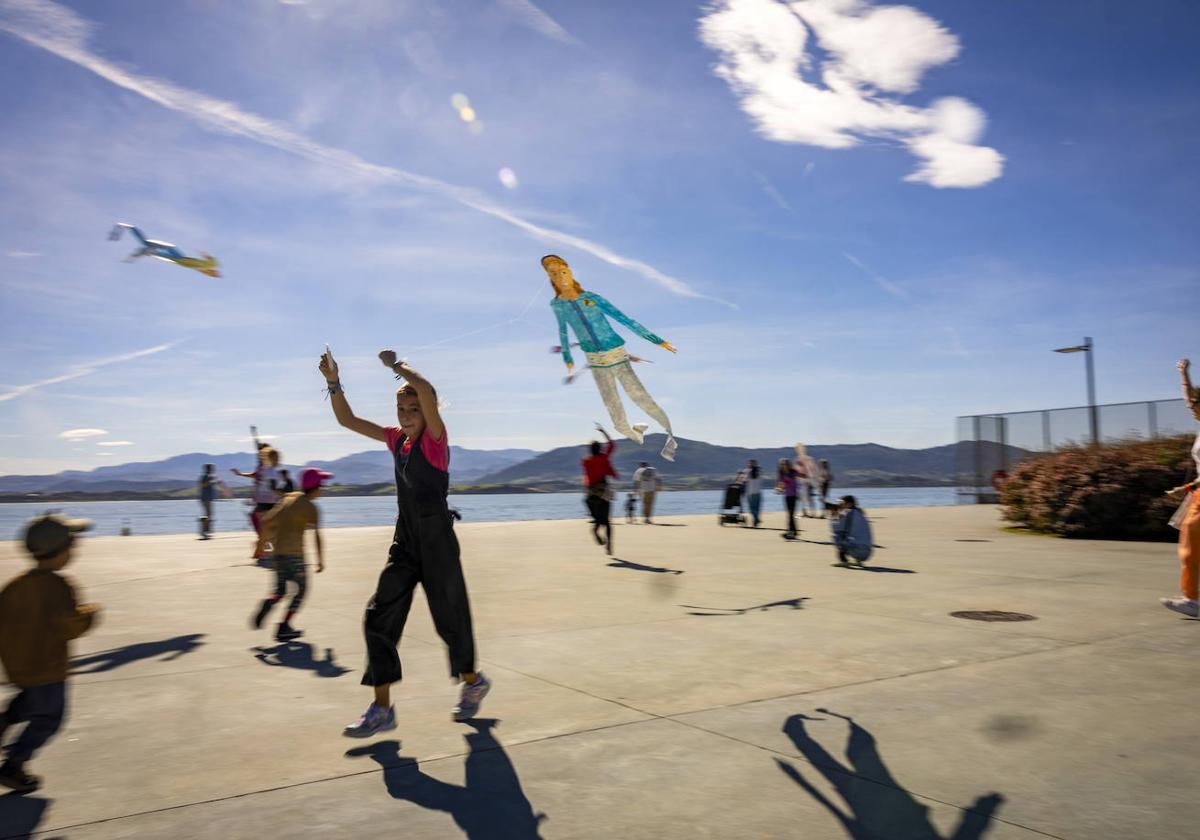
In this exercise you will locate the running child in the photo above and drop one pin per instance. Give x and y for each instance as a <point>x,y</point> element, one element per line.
<point>39,616</point>
<point>424,548</point>
<point>294,515</point>
<point>630,508</point>
<point>597,469</point>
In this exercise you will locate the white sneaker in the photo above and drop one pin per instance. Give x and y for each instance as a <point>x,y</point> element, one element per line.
<point>470,698</point>
<point>1186,606</point>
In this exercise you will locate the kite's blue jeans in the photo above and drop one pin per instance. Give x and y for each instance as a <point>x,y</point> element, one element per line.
<point>41,709</point>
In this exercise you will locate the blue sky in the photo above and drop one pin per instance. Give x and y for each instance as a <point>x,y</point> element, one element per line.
<point>907,206</point>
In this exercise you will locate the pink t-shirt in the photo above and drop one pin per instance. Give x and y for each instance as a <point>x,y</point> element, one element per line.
<point>436,452</point>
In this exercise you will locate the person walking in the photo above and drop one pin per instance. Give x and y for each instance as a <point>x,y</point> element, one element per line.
<point>597,469</point>
<point>824,481</point>
<point>208,484</point>
<point>785,484</point>
<point>1188,602</point>
<point>753,492</point>
<point>647,483</point>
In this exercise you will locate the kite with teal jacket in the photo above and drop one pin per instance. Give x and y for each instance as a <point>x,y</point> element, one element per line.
<point>164,251</point>
<point>587,314</point>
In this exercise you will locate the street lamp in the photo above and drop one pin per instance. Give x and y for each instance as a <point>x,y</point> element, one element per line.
<point>1093,418</point>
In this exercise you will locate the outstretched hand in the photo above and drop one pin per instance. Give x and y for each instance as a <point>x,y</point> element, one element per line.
<point>328,367</point>
<point>1182,365</point>
<point>389,358</point>
<point>666,345</point>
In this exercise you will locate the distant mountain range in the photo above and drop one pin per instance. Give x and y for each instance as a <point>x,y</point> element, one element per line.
<point>697,465</point>
<point>700,464</point>
<point>180,471</point>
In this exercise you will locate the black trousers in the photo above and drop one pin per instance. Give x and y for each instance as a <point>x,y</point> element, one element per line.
<point>790,501</point>
<point>41,708</point>
<point>431,559</point>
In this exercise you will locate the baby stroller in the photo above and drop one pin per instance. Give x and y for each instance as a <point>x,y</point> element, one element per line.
<point>731,507</point>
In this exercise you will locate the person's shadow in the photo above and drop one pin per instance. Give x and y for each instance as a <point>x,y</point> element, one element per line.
<point>793,603</point>
<point>167,649</point>
<point>879,806</point>
<point>618,563</point>
<point>299,655</point>
<point>20,815</point>
<point>491,804</point>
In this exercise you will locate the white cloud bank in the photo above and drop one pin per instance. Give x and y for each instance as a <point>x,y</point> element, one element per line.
<point>849,91</point>
<point>115,443</point>
<point>82,434</point>
<point>60,31</point>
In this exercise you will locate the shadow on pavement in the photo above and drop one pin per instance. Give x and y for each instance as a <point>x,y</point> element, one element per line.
<point>794,603</point>
<point>20,815</point>
<point>299,655</point>
<point>107,660</point>
<point>618,563</point>
<point>879,806</point>
<point>490,804</point>
<point>884,569</point>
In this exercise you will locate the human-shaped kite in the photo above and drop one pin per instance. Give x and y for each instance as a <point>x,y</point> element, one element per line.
<point>587,314</point>
<point>164,251</point>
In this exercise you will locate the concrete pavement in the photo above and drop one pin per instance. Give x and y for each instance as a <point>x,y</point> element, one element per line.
<point>711,682</point>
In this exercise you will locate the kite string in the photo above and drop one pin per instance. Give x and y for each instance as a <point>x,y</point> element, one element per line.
<point>520,318</point>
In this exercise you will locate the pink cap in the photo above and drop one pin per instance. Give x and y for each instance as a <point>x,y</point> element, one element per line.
<point>312,477</point>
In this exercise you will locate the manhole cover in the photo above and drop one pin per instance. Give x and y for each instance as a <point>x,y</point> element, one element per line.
<point>993,615</point>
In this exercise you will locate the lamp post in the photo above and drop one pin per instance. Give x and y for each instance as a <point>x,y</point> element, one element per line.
<point>1093,417</point>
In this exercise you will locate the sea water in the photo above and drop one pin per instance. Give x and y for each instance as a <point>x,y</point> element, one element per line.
<point>179,516</point>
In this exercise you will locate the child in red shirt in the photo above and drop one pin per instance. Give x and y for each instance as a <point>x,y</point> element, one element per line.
<point>596,471</point>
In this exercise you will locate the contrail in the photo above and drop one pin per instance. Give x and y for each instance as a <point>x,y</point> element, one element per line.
<point>881,281</point>
<point>60,31</point>
<point>84,370</point>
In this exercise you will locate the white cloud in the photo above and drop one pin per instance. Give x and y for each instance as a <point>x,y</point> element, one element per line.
<point>115,443</point>
<point>848,91</point>
<point>84,370</point>
<point>60,31</point>
<point>23,255</point>
<point>82,434</point>
<point>536,19</point>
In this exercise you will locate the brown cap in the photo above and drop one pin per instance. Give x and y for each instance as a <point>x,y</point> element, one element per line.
<point>46,536</point>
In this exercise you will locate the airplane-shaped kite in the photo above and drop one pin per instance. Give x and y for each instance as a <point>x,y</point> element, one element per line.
<point>164,251</point>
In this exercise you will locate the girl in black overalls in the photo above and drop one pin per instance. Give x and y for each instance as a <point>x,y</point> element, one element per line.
<point>424,548</point>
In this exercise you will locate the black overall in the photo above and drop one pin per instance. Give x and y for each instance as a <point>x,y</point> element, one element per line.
<point>424,550</point>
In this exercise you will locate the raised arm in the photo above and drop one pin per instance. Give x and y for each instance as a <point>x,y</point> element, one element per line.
<point>1190,394</point>
<point>341,408</point>
<point>425,392</point>
<point>608,449</point>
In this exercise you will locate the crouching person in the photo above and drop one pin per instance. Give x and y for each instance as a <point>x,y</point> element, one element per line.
<point>851,533</point>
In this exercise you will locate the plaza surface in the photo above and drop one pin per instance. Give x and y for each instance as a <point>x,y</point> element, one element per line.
<point>705,682</point>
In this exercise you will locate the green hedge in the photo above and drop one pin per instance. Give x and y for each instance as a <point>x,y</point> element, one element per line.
<point>1113,491</point>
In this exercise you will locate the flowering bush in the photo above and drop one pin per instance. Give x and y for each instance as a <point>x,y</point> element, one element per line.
<point>1113,491</point>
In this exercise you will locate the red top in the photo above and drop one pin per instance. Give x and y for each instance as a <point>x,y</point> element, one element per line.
<point>436,452</point>
<point>596,467</point>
